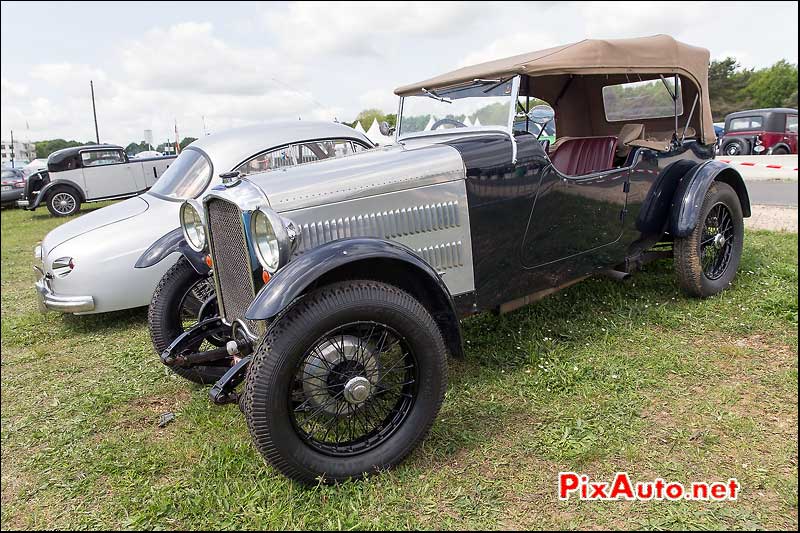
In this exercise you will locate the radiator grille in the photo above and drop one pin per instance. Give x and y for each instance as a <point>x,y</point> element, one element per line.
<point>231,261</point>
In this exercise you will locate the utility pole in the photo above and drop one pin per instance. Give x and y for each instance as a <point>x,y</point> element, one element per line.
<point>12,148</point>
<point>94,112</point>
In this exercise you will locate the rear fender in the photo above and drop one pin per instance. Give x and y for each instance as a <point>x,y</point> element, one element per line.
<point>688,199</point>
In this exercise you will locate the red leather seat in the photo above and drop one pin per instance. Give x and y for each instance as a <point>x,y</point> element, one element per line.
<point>584,155</point>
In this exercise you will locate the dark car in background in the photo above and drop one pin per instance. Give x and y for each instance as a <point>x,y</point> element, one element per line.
<point>760,132</point>
<point>13,186</point>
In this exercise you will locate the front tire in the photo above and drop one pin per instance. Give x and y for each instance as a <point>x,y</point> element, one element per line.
<point>63,202</point>
<point>707,259</point>
<point>176,305</point>
<point>346,383</point>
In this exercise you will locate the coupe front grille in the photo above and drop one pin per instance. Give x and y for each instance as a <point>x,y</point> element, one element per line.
<point>231,261</point>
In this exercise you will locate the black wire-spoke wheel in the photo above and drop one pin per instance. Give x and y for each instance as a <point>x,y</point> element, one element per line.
<point>707,259</point>
<point>353,388</point>
<point>346,382</point>
<point>717,242</point>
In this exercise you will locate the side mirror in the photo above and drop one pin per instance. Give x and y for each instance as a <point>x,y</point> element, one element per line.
<point>541,114</point>
<point>386,129</point>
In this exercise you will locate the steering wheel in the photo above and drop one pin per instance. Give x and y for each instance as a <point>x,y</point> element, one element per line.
<point>446,121</point>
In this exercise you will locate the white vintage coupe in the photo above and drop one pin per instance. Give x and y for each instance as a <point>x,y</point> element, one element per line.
<point>87,265</point>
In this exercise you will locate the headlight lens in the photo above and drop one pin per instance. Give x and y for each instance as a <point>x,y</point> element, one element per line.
<point>192,226</point>
<point>265,241</point>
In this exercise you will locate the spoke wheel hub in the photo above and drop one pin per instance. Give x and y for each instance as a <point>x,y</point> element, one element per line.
<point>357,390</point>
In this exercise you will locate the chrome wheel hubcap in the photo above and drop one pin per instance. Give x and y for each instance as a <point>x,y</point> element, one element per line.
<point>719,240</point>
<point>357,390</point>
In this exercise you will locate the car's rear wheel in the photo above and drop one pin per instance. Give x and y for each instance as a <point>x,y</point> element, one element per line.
<point>182,298</point>
<point>780,151</point>
<point>707,260</point>
<point>345,383</point>
<point>63,202</point>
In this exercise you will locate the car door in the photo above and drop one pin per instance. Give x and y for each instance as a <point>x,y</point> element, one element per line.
<point>791,133</point>
<point>107,174</point>
<point>572,217</point>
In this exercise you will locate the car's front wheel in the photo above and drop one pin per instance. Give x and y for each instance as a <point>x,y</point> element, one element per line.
<point>707,260</point>
<point>63,202</point>
<point>181,299</point>
<point>345,383</point>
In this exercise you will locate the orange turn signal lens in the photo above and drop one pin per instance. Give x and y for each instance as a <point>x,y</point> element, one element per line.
<point>265,277</point>
<point>209,262</point>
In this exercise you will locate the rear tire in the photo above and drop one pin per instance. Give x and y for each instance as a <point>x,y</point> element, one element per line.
<point>707,259</point>
<point>735,147</point>
<point>166,321</point>
<point>384,428</point>
<point>780,151</point>
<point>63,202</point>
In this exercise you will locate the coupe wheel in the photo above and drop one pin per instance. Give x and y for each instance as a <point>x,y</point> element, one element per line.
<point>706,261</point>
<point>346,383</point>
<point>63,202</point>
<point>182,298</point>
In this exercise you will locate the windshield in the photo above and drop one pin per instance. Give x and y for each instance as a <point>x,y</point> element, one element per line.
<point>185,178</point>
<point>480,104</point>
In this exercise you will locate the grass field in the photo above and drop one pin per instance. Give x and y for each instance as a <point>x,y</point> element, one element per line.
<point>605,376</point>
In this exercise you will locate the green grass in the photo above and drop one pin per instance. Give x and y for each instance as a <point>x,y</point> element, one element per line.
<point>602,377</point>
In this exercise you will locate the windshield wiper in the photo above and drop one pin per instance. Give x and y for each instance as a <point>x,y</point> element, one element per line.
<point>431,94</point>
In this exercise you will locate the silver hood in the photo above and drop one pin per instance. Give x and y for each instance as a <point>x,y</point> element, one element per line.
<point>368,173</point>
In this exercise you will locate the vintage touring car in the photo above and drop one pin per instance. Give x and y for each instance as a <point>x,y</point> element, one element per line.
<point>341,283</point>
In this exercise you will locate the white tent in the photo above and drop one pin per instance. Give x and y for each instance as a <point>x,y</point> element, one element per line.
<point>359,128</point>
<point>374,134</point>
<point>477,122</point>
<point>467,123</point>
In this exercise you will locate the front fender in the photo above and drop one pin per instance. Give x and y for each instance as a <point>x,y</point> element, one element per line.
<point>169,243</point>
<point>688,199</point>
<point>43,192</point>
<point>293,279</point>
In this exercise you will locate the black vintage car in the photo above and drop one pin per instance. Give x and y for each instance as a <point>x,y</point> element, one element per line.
<point>340,284</point>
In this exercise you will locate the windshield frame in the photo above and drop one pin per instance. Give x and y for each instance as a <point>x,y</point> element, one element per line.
<point>208,180</point>
<point>508,128</point>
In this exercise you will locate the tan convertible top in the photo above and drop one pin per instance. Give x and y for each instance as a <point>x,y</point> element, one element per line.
<point>659,54</point>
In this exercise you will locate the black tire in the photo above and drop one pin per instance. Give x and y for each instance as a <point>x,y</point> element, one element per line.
<point>165,320</point>
<point>780,151</point>
<point>63,202</point>
<point>270,391</point>
<point>705,264</point>
<point>735,147</point>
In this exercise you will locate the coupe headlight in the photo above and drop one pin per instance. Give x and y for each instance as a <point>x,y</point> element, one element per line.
<point>192,225</point>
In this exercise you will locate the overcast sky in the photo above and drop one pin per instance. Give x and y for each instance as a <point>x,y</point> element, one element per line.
<point>240,63</point>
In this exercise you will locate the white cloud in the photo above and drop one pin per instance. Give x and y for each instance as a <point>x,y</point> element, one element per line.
<point>362,29</point>
<point>510,45</point>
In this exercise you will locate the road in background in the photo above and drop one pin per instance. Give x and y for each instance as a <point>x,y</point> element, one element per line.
<point>772,192</point>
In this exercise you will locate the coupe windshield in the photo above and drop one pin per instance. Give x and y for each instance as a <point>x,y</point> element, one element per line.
<point>185,178</point>
<point>482,103</point>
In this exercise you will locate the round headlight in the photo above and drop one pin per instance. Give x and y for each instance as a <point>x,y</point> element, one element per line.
<point>265,241</point>
<point>192,226</point>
